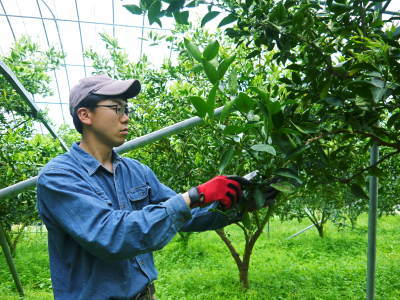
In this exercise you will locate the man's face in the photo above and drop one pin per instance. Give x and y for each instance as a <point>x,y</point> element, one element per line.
<point>108,122</point>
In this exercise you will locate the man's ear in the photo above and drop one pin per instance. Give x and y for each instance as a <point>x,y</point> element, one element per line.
<point>84,115</point>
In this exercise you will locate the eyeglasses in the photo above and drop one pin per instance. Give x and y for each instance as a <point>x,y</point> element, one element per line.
<point>119,110</point>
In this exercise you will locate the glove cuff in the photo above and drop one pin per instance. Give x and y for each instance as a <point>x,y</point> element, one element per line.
<point>196,199</point>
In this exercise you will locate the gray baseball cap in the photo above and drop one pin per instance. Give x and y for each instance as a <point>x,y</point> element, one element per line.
<point>102,85</point>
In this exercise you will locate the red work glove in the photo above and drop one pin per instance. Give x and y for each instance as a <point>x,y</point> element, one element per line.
<point>220,188</point>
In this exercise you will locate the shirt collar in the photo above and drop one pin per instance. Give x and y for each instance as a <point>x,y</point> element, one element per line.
<point>87,161</point>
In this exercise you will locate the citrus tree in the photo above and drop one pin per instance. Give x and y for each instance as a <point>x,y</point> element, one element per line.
<point>22,151</point>
<point>322,82</point>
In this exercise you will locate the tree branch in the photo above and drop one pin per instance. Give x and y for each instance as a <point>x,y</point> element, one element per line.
<point>347,180</point>
<point>228,243</point>
<point>246,236</point>
<point>354,133</point>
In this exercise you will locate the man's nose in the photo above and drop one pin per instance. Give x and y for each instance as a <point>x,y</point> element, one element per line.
<point>124,118</point>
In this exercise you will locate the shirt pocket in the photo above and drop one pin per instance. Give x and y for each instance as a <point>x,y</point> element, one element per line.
<point>139,196</point>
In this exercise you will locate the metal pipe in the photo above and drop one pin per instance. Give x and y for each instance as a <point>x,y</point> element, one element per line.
<point>301,231</point>
<point>83,22</point>
<point>8,20</point>
<point>54,71</point>
<point>59,40</point>
<point>10,76</point>
<point>372,220</point>
<point>372,210</point>
<point>18,187</point>
<point>164,132</point>
<point>130,145</point>
<point>10,262</point>
<point>80,36</point>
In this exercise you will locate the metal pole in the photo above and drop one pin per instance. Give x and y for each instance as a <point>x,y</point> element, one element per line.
<point>130,145</point>
<point>10,76</point>
<point>18,187</point>
<point>372,210</point>
<point>164,132</point>
<point>10,262</point>
<point>372,220</point>
<point>301,231</point>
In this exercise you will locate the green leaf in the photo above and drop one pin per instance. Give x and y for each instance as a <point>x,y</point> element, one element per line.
<point>377,83</point>
<point>232,82</point>
<point>393,118</point>
<point>234,129</point>
<point>296,152</point>
<point>224,65</point>
<point>288,173</point>
<point>228,107</point>
<point>296,78</point>
<point>333,101</point>
<point>181,17</point>
<point>200,105</point>
<point>396,33</point>
<point>211,101</point>
<point>262,94</point>
<point>134,9</point>
<point>375,171</point>
<point>259,198</point>
<point>264,148</point>
<point>252,54</point>
<point>378,93</point>
<point>324,91</point>
<point>154,11</point>
<point>298,127</point>
<point>211,72</point>
<point>295,67</point>
<point>244,103</point>
<point>211,50</point>
<point>358,191</point>
<point>175,5</point>
<point>227,20</point>
<point>193,3</point>
<point>284,187</point>
<point>274,107</point>
<point>158,21</point>
<point>226,159</point>
<point>246,221</point>
<point>208,17</point>
<point>193,50</point>
<point>267,118</point>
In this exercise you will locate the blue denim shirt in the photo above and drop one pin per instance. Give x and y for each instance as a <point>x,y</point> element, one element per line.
<point>103,227</point>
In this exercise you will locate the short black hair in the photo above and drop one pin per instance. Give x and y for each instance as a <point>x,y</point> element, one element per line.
<point>89,102</point>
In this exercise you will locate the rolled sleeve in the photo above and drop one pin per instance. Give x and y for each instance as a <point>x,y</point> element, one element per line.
<point>178,210</point>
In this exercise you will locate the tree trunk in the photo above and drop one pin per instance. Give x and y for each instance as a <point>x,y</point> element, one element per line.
<point>244,275</point>
<point>320,229</point>
<point>353,222</point>
<point>242,265</point>
<point>12,241</point>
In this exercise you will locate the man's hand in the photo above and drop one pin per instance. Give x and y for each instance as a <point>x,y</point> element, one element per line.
<point>225,189</point>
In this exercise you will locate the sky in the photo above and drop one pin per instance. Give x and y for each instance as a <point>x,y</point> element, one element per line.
<point>24,19</point>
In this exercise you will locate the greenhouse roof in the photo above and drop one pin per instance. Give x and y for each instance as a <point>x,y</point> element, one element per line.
<point>73,26</point>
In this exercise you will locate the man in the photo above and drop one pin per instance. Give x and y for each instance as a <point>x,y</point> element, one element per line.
<point>106,214</point>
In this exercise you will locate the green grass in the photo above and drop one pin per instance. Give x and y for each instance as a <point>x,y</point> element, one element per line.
<point>305,267</point>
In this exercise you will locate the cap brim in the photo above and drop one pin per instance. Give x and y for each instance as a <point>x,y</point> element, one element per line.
<point>124,88</point>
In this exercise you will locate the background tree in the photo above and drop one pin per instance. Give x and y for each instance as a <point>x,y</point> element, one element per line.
<point>22,150</point>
